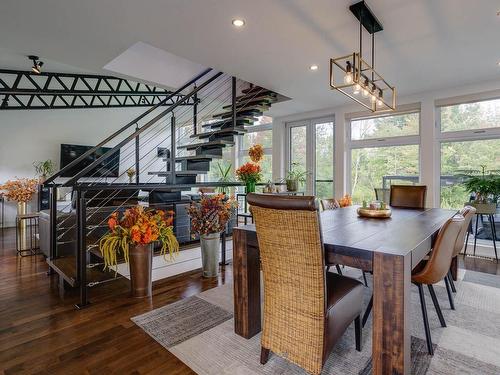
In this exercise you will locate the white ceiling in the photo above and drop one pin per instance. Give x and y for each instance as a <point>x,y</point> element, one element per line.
<point>426,44</point>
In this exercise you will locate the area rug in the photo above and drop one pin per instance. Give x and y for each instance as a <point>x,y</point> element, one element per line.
<point>200,331</point>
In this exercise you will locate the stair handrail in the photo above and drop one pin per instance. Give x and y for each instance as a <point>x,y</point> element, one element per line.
<point>139,131</point>
<point>128,125</point>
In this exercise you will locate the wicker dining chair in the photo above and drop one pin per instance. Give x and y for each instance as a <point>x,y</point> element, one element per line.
<point>329,204</point>
<point>408,196</point>
<point>306,310</point>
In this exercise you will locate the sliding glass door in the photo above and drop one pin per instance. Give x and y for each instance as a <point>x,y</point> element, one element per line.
<point>310,146</point>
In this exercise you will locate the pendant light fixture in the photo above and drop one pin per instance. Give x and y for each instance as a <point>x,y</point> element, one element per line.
<point>355,77</point>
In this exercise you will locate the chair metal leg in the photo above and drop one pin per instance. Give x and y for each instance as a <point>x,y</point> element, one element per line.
<point>339,271</point>
<point>448,290</point>
<point>426,319</point>
<point>493,234</point>
<point>264,355</point>
<point>358,332</point>
<point>436,305</point>
<point>469,230</point>
<point>475,234</point>
<point>364,278</point>
<point>452,283</point>
<point>367,311</point>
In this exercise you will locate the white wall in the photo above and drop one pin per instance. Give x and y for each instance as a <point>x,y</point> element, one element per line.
<point>428,145</point>
<point>35,135</point>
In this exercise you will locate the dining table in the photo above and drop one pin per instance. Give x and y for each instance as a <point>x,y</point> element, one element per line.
<point>389,248</point>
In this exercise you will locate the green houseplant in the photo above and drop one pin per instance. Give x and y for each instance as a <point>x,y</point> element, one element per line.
<point>294,177</point>
<point>44,169</point>
<point>485,186</point>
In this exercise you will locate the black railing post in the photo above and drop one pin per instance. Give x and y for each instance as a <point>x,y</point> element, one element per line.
<point>172,149</point>
<point>233,100</point>
<point>81,225</point>
<point>53,226</point>
<point>137,159</point>
<point>195,112</point>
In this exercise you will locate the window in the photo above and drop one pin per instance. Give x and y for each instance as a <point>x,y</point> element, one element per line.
<point>311,146</point>
<point>383,151</point>
<point>469,139</point>
<point>258,134</point>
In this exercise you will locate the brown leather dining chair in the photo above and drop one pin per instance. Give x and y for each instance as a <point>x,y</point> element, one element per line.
<point>306,310</point>
<point>436,269</point>
<point>408,196</point>
<point>329,204</point>
<point>468,213</point>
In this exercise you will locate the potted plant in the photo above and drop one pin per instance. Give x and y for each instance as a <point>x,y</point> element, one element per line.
<point>20,190</point>
<point>250,174</point>
<point>131,174</point>
<point>209,217</point>
<point>132,235</point>
<point>484,186</point>
<point>224,177</point>
<point>44,169</point>
<point>294,177</point>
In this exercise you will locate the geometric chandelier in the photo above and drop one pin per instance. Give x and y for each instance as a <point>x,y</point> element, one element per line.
<point>355,77</point>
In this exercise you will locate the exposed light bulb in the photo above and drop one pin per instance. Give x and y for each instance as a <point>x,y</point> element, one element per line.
<point>365,92</point>
<point>348,78</point>
<point>380,103</point>
<point>373,98</point>
<point>357,89</point>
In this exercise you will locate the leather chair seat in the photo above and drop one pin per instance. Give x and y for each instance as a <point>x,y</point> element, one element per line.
<point>344,303</point>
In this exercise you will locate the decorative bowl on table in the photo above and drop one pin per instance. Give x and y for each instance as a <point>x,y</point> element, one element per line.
<point>380,213</point>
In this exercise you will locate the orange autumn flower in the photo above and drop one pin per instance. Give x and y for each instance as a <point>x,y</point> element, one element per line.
<point>256,153</point>
<point>249,172</point>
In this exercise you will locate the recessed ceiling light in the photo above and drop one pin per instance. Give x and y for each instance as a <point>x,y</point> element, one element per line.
<point>313,67</point>
<point>238,22</point>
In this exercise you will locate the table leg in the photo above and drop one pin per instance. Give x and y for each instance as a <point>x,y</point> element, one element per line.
<point>391,309</point>
<point>246,278</point>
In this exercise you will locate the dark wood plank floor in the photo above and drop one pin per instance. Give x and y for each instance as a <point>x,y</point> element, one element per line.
<point>42,334</point>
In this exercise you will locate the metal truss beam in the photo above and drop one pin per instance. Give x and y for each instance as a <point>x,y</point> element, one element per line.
<point>22,90</point>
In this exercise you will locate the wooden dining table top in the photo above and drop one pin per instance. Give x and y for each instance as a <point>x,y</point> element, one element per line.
<point>407,230</point>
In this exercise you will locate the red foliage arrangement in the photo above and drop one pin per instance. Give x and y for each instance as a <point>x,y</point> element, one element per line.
<point>138,226</point>
<point>249,172</point>
<point>211,213</point>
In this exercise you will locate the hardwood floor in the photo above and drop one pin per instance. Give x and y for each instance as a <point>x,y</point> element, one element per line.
<point>42,334</point>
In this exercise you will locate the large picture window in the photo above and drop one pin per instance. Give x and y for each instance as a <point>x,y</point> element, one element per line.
<point>383,151</point>
<point>469,140</point>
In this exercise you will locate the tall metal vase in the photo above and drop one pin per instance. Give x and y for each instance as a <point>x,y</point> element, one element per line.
<point>141,265</point>
<point>210,252</point>
<point>22,209</point>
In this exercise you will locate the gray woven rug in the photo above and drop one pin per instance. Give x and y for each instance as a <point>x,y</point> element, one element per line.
<point>200,332</point>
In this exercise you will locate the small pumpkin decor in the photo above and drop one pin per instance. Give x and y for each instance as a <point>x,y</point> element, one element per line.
<point>345,201</point>
<point>132,235</point>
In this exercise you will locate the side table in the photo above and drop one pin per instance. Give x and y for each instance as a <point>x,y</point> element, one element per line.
<point>27,234</point>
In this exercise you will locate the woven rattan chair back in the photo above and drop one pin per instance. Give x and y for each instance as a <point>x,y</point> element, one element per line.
<point>329,204</point>
<point>291,251</point>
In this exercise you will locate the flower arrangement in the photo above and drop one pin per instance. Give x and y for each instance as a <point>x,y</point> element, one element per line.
<point>256,153</point>
<point>211,213</point>
<point>137,226</point>
<point>345,201</point>
<point>249,172</point>
<point>20,189</point>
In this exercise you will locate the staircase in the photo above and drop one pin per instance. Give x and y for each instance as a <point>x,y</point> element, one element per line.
<point>169,146</point>
<point>218,132</point>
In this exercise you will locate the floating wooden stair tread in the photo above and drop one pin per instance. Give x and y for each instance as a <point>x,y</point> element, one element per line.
<point>218,142</point>
<point>225,131</point>
<point>195,157</point>
<point>243,114</point>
